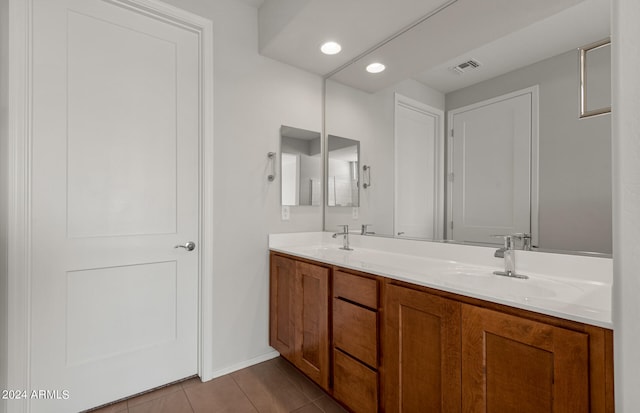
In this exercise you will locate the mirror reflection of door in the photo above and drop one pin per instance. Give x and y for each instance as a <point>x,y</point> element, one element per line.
<point>343,172</point>
<point>419,170</point>
<point>490,155</point>
<point>290,178</point>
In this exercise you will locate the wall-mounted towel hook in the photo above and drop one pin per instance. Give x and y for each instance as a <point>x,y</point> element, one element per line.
<point>272,160</point>
<point>366,176</point>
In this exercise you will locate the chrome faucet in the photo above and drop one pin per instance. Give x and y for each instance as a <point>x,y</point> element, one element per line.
<point>345,237</point>
<point>365,230</point>
<point>507,252</point>
<point>526,243</point>
<point>526,240</point>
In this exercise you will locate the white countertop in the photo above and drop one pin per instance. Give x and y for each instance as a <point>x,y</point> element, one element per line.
<point>572,287</point>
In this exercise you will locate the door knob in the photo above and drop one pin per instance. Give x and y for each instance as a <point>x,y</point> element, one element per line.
<point>189,246</point>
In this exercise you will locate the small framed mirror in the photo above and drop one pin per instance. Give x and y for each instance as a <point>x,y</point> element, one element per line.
<point>300,167</point>
<point>343,172</point>
<point>595,79</point>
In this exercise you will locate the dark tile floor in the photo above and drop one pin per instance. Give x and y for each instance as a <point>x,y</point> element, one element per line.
<point>270,387</point>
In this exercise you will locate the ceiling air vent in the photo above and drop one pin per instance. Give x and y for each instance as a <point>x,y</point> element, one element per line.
<point>466,66</point>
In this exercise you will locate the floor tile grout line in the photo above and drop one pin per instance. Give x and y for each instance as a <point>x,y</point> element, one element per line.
<point>188,399</point>
<point>151,392</point>
<point>286,376</point>
<point>163,397</point>
<point>243,392</point>
<point>311,401</point>
<point>320,407</point>
<point>307,405</point>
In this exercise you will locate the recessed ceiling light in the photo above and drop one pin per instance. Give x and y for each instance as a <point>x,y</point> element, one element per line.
<point>375,68</point>
<point>330,48</point>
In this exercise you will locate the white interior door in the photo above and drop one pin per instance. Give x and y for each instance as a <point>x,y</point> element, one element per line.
<point>419,170</point>
<point>491,161</point>
<point>114,306</point>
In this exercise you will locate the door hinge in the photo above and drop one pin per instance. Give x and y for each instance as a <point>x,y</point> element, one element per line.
<point>451,177</point>
<point>451,224</point>
<point>452,133</point>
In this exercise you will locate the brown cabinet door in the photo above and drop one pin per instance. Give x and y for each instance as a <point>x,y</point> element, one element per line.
<point>311,309</point>
<point>281,318</point>
<point>515,365</point>
<point>421,353</point>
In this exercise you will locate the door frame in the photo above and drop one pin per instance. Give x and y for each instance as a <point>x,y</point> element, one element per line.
<point>401,100</point>
<point>19,164</point>
<point>534,161</point>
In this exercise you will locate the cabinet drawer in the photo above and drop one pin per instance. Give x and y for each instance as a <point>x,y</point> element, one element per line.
<point>358,289</point>
<point>354,384</point>
<point>355,331</point>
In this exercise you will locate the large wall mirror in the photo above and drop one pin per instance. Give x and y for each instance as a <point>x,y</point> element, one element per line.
<point>475,134</point>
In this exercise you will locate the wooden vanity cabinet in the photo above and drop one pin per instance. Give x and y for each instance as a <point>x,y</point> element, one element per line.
<point>422,364</point>
<point>355,341</point>
<point>299,315</point>
<point>377,344</point>
<point>447,353</point>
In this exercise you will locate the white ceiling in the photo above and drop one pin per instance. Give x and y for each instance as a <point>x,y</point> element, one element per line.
<point>292,31</point>
<point>253,3</point>
<point>501,34</point>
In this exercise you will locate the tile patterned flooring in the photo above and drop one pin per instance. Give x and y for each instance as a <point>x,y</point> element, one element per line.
<point>273,386</point>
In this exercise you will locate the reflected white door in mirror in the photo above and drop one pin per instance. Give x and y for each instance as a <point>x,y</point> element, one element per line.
<point>419,170</point>
<point>493,168</point>
<point>343,172</point>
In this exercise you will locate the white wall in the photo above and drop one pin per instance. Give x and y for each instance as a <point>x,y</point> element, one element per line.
<point>626,203</point>
<point>368,118</point>
<point>4,77</point>
<point>253,96</point>
<point>574,154</point>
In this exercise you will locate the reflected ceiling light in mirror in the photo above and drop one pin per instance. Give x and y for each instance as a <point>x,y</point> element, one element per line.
<point>330,48</point>
<point>375,68</point>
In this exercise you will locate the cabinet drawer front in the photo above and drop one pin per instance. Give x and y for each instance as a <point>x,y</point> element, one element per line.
<point>358,289</point>
<point>354,384</point>
<point>355,331</point>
